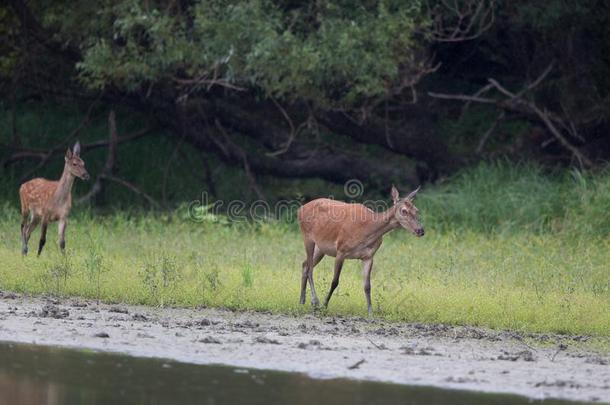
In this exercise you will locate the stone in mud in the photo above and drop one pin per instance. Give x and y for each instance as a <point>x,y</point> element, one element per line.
<point>53,311</point>
<point>103,335</point>
<point>312,342</point>
<point>139,317</point>
<point>210,339</point>
<point>118,310</point>
<point>524,355</point>
<point>246,324</point>
<point>558,383</point>
<point>266,340</point>
<point>597,360</point>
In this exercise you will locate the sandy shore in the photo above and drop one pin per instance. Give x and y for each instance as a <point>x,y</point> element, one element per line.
<point>537,366</point>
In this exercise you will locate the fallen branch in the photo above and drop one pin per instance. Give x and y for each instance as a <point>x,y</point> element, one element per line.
<point>357,364</point>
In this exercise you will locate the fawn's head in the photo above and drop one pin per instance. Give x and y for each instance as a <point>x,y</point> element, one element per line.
<point>74,164</point>
<point>406,212</point>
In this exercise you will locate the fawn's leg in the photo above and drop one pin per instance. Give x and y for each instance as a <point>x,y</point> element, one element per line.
<point>27,232</point>
<point>43,236</point>
<point>24,222</point>
<point>61,231</point>
<point>335,282</point>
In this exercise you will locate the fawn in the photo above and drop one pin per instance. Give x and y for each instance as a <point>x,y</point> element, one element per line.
<point>47,201</point>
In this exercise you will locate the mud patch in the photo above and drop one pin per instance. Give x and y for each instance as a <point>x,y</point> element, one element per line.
<point>535,365</point>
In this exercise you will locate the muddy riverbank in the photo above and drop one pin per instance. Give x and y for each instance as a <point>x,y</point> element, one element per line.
<point>537,366</point>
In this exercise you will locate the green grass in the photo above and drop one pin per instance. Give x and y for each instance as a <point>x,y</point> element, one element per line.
<point>507,245</point>
<point>530,280</point>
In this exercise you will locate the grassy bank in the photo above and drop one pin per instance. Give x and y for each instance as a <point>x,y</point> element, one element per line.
<point>505,247</point>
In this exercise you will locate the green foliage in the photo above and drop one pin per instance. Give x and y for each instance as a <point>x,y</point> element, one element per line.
<point>330,53</point>
<point>160,276</point>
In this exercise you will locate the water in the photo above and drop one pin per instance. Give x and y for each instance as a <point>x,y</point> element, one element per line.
<point>34,375</point>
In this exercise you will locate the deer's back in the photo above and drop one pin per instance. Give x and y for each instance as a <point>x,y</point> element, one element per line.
<point>36,194</point>
<point>327,221</point>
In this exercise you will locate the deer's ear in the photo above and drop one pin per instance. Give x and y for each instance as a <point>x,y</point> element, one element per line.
<point>395,196</point>
<point>68,154</point>
<point>76,149</point>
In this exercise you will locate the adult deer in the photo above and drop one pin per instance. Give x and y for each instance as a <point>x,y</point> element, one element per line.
<point>47,201</point>
<point>350,231</point>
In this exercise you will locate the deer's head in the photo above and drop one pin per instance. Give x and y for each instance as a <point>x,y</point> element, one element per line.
<point>406,212</point>
<point>76,165</point>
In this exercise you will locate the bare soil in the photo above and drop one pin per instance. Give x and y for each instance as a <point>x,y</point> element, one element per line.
<point>535,365</point>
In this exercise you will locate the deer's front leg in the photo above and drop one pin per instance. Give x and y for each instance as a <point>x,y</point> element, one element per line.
<point>61,229</point>
<point>43,236</point>
<point>367,267</point>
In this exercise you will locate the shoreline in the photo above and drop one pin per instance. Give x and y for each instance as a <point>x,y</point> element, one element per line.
<point>465,358</point>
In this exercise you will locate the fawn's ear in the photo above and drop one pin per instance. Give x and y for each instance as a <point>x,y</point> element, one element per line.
<point>76,149</point>
<point>68,154</point>
<point>413,193</point>
<point>395,197</point>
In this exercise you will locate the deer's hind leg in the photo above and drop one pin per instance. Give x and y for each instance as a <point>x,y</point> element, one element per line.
<point>309,249</point>
<point>27,232</point>
<point>338,267</point>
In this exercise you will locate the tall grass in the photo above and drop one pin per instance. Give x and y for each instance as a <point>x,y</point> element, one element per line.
<point>506,246</point>
<point>508,197</point>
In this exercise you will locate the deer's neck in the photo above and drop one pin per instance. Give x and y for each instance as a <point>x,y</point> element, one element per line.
<point>382,223</point>
<point>64,188</point>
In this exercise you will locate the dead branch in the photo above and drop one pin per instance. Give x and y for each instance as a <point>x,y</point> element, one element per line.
<point>515,102</point>
<point>460,22</point>
<point>252,180</point>
<point>357,364</point>
<point>488,133</point>
<point>108,168</point>
<point>46,155</point>
<point>34,153</point>
<point>291,136</point>
<point>132,187</point>
<point>167,168</point>
<point>546,118</point>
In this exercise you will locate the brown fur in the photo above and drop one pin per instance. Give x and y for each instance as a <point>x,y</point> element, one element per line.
<point>349,231</point>
<point>47,201</point>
